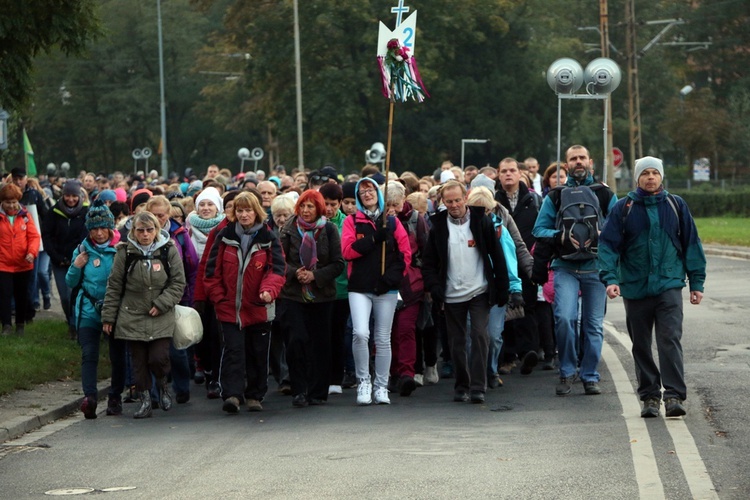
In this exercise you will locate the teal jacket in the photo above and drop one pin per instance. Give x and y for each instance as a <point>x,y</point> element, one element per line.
<point>653,250</point>
<point>545,228</point>
<point>342,282</point>
<point>94,275</point>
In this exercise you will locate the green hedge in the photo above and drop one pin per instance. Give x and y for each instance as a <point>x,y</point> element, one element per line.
<point>717,203</point>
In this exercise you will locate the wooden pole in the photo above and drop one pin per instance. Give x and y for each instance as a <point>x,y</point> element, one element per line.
<point>387,171</point>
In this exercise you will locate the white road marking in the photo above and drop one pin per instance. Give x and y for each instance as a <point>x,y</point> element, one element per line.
<point>644,461</point>
<point>696,473</point>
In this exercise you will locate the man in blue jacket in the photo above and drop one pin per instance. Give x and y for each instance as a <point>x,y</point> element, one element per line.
<point>647,247</point>
<point>574,277</point>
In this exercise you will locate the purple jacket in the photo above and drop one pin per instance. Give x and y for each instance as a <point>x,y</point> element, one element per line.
<point>189,258</point>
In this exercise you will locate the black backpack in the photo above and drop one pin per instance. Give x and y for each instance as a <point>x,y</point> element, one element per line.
<point>579,218</point>
<point>132,258</point>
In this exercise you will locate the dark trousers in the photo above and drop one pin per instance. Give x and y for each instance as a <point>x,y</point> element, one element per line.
<point>662,314</point>
<point>277,359</point>
<point>339,318</point>
<point>403,341</point>
<point>244,361</point>
<point>522,335</point>
<point>426,340</point>
<point>149,357</point>
<point>545,321</point>
<point>308,347</point>
<point>63,291</point>
<point>90,339</point>
<point>208,349</point>
<point>14,286</point>
<point>470,370</point>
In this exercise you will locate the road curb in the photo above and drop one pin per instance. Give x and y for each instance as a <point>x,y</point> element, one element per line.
<point>19,426</point>
<point>737,253</point>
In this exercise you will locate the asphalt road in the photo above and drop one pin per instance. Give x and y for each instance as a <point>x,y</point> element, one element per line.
<point>525,442</point>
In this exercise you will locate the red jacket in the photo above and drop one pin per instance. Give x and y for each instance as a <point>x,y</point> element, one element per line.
<point>17,241</point>
<point>233,283</point>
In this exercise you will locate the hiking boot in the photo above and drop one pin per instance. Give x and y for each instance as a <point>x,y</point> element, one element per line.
<point>299,400</point>
<point>431,375</point>
<point>47,303</point>
<point>364,392</point>
<point>592,388</point>
<point>673,407</point>
<point>114,406</point>
<point>460,397</point>
<point>406,386</point>
<point>231,405</point>
<point>145,409</point>
<point>253,405</point>
<point>380,395</point>
<point>165,398</point>
<point>650,408</point>
<point>530,360</point>
<point>446,371</point>
<point>564,387</point>
<point>88,407</point>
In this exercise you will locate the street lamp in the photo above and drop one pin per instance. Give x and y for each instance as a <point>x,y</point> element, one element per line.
<point>243,154</point>
<point>256,155</point>
<point>601,76</point>
<point>464,142</point>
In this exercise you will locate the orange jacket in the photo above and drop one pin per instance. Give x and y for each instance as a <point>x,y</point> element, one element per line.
<point>17,241</point>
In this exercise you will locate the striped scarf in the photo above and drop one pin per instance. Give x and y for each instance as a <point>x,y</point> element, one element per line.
<point>308,250</point>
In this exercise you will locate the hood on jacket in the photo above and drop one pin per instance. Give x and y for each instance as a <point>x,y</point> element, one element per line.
<point>165,238</point>
<point>381,201</point>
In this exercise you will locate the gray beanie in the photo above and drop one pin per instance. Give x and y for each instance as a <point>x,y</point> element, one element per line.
<point>483,180</point>
<point>647,162</point>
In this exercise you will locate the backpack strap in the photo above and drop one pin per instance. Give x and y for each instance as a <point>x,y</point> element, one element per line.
<point>132,258</point>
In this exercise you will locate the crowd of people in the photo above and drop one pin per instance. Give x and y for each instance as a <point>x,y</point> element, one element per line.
<point>326,282</point>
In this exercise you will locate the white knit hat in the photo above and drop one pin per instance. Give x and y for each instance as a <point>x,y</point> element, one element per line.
<point>211,194</point>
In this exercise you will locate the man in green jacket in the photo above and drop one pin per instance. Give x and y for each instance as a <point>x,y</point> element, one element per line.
<point>648,247</point>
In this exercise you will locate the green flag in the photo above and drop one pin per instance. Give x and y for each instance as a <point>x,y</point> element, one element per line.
<point>29,155</point>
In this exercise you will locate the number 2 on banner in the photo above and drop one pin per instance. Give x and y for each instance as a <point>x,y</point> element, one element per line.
<point>408,33</point>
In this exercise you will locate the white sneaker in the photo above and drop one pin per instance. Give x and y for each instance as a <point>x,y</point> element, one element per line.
<point>364,392</point>
<point>334,389</point>
<point>381,396</point>
<point>419,379</point>
<point>431,376</point>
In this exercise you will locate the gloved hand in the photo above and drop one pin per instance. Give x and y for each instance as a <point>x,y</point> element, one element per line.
<point>539,278</point>
<point>199,306</point>
<point>437,294</point>
<point>381,287</point>
<point>516,300</point>
<point>381,234</point>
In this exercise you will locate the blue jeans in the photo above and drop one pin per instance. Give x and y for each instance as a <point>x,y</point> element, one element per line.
<point>89,340</point>
<point>43,276</point>
<point>495,329</point>
<point>63,291</point>
<point>568,284</point>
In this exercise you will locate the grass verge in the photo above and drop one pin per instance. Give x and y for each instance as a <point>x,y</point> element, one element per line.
<point>43,354</point>
<point>724,230</point>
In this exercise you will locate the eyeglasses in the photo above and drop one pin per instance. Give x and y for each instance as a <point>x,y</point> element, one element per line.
<point>145,229</point>
<point>367,191</point>
<point>319,178</point>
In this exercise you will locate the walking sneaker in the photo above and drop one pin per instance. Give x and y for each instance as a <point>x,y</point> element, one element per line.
<point>231,405</point>
<point>381,396</point>
<point>364,392</point>
<point>47,303</point>
<point>673,407</point>
<point>446,371</point>
<point>254,405</point>
<point>431,375</point>
<point>565,386</point>
<point>506,368</point>
<point>114,406</point>
<point>650,408</point>
<point>213,391</point>
<point>199,377</point>
<point>549,364</point>
<point>285,388</point>
<point>419,379</point>
<point>334,389</point>
<point>88,407</point>
<point>592,388</point>
<point>299,400</point>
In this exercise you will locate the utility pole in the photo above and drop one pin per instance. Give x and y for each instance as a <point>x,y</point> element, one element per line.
<point>608,171</point>
<point>634,98</point>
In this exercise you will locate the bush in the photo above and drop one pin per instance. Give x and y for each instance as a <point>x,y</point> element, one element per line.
<point>717,203</point>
